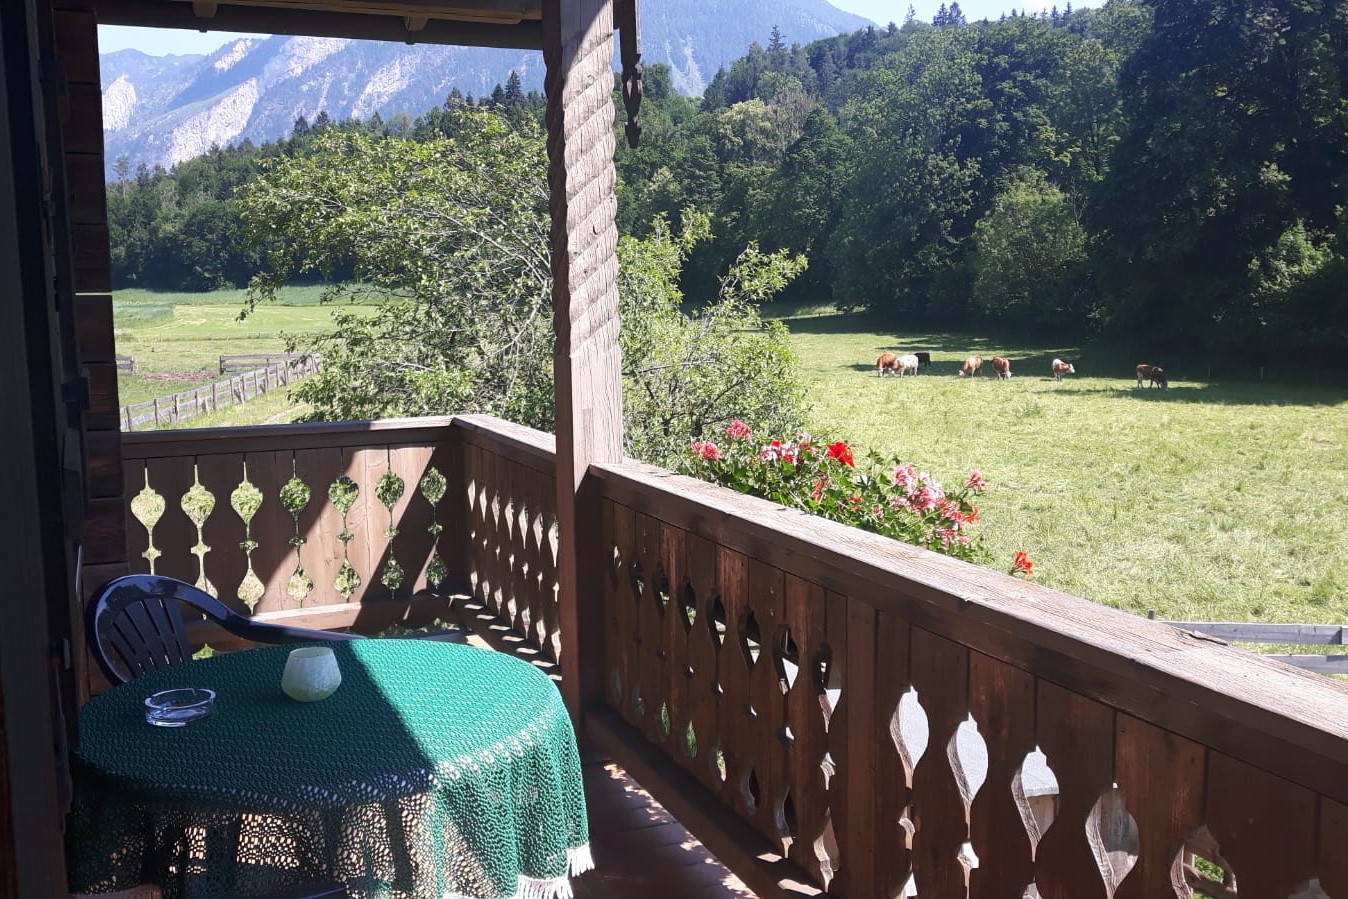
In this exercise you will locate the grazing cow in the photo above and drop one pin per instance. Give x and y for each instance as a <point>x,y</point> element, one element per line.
<point>1153,374</point>
<point>971,366</point>
<point>887,362</point>
<point>1002,367</point>
<point>908,365</point>
<point>1061,368</point>
<point>923,360</point>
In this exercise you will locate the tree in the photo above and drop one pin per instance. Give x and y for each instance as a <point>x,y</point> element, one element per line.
<point>687,376</point>
<point>1235,135</point>
<point>1026,253</point>
<point>451,237</point>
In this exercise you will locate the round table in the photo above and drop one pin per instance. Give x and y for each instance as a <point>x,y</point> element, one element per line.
<point>435,770</point>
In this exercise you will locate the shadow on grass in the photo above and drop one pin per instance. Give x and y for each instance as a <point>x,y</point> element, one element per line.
<point>1226,393</point>
<point>1031,357</point>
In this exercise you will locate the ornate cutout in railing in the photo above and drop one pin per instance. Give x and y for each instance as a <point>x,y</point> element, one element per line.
<point>245,500</point>
<point>295,495</point>
<point>199,503</point>
<point>388,491</point>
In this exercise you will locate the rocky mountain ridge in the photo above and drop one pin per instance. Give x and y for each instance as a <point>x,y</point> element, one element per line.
<point>163,110</point>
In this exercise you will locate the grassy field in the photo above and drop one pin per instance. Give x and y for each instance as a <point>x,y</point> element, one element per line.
<point>1210,501</point>
<point>177,338</point>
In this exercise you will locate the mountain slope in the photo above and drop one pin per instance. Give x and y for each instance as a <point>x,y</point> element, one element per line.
<point>163,110</point>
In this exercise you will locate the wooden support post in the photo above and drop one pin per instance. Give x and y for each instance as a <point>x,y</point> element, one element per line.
<point>578,52</point>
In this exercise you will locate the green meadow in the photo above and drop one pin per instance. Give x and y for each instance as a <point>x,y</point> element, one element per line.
<point>1213,500</point>
<point>177,340</point>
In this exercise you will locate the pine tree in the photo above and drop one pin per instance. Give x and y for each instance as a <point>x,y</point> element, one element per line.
<point>955,15</point>
<point>322,120</point>
<point>942,16</point>
<point>514,91</point>
<point>777,49</point>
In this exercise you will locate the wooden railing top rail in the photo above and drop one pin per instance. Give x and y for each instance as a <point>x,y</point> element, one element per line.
<point>533,448</point>
<point>1290,722</point>
<point>268,438</point>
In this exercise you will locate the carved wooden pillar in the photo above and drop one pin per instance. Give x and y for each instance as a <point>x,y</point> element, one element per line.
<point>578,51</point>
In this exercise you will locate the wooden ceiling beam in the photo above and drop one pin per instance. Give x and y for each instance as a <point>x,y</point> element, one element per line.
<point>523,35</point>
<point>509,11</point>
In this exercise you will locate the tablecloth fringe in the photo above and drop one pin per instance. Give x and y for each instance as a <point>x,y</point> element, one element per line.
<point>578,861</point>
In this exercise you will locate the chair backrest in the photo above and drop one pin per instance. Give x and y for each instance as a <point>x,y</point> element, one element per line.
<point>136,625</point>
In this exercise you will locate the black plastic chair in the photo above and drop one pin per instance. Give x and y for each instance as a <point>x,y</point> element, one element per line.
<point>136,625</point>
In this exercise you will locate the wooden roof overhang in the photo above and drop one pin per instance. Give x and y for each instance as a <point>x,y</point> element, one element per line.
<point>481,23</point>
<point>476,23</point>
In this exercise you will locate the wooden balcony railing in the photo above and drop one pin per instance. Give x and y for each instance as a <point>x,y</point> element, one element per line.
<point>826,709</point>
<point>896,723</point>
<point>314,524</point>
<point>353,524</point>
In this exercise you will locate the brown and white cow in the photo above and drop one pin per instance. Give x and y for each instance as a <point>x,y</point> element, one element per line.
<point>887,362</point>
<point>1153,374</point>
<point>971,366</point>
<point>1002,368</point>
<point>1061,368</point>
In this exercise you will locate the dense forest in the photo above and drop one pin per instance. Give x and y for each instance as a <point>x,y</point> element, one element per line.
<point>1166,173</point>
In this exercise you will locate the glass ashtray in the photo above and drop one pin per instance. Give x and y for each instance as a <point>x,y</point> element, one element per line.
<point>177,708</point>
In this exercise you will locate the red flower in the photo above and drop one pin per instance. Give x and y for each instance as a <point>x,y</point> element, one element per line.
<point>1022,564</point>
<point>972,517</point>
<point>709,451</point>
<point>842,453</point>
<point>738,429</point>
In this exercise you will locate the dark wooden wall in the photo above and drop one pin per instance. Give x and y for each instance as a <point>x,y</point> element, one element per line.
<point>41,482</point>
<point>104,536</point>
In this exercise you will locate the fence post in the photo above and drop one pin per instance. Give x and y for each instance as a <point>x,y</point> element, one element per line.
<point>156,412</point>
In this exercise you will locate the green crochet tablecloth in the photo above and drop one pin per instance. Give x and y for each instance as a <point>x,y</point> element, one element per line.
<point>435,770</point>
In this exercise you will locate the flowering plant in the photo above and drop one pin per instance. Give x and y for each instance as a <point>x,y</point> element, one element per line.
<point>880,495</point>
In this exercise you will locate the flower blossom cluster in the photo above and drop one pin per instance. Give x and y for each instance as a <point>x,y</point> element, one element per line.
<point>823,477</point>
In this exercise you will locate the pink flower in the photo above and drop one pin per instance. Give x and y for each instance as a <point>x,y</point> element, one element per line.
<point>709,451</point>
<point>777,451</point>
<point>975,481</point>
<point>927,497</point>
<point>738,430</point>
<point>842,453</point>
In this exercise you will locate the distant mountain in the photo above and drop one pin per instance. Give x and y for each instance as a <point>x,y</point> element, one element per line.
<point>161,110</point>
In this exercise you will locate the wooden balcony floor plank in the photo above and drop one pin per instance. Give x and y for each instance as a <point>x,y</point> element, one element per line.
<point>639,849</point>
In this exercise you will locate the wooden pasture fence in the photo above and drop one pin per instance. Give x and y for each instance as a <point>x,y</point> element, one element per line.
<point>251,362</point>
<point>126,364</point>
<point>188,404</point>
<point>1291,634</point>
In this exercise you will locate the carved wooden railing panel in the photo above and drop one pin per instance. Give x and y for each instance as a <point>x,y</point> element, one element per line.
<point>896,723</point>
<point>294,519</point>
<point>510,491</point>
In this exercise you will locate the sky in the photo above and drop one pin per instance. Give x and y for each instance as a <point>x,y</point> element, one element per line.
<point>162,41</point>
